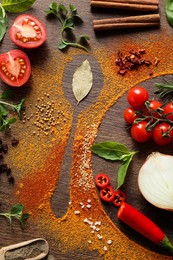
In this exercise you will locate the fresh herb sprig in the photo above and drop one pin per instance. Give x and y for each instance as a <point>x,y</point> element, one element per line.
<point>67,19</point>
<point>115,151</point>
<point>11,6</point>
<point>163,89</point>
<point>16,212</point>
<point>5,120</point>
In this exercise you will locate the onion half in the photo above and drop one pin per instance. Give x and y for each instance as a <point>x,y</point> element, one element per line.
<point>155,180</point>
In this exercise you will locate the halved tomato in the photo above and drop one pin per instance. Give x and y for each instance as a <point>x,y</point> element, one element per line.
<point>28,31</point>
<point>15,68</point>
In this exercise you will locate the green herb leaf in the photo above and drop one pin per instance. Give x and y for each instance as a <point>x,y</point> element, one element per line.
<point>68,24</point>
<point>122,171</point>
<point>6,121</point>
<point>17,6</point>
<point>67,19</point>
<point>163,89</point>
<point>115,152</point>
<point>82,74</point>
<point>110,150</point>
<point>19,107</point>
<point>169,11</point>
<point>3,22</point>
<point>62,45</point>
<point>16,212</point>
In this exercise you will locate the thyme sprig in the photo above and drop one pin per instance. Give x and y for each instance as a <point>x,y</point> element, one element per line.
<point>16,212</point>
<point>67,19</point>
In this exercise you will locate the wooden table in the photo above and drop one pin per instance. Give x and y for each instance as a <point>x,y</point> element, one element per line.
<point>52,72</point>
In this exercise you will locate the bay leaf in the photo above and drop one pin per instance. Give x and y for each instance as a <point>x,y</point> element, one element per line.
<point>82,81</point>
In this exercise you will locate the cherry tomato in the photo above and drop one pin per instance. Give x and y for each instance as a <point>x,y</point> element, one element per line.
<point>119,198</point>
<point>28,31</point>
<point>130,115</point>
<point>168,111</point>
<point>15,68</point>
<point>152,107</point>
<point>162,134</point>
<point>102,180</point>
<point>137,96</point>
<point>107,193</point>
<point>139,132</point>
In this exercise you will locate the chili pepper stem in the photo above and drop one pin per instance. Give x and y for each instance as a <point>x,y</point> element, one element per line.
<point>167,244</point>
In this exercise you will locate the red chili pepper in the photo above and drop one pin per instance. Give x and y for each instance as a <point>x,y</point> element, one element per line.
<point>102,180</point>
<point>107,194</point>
<point>139,222</point>
<point>119,198</point>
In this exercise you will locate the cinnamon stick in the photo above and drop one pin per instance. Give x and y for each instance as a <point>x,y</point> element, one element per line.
<point>148,18</point>
<point>124,5</point>
<point>103,27</point>
<point>146,2</point>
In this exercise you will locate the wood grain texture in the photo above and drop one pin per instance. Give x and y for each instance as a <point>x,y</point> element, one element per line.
<point>112,128</point>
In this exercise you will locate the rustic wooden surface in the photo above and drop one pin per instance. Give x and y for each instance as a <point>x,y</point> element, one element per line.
<point>109,130</point>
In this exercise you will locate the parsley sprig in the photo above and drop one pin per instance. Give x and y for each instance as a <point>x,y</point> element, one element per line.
<point>16,212</point>
<point>5,119</point>
<point>67,19</point>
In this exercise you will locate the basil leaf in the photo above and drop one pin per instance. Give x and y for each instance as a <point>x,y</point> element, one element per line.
<point>110,150</point>
<point>169,11</point>
<point>3,22</point>
<point>122,171</point>
<point>17,6</point>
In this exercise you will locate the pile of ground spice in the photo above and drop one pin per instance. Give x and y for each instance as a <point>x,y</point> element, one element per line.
<point>85,226</point>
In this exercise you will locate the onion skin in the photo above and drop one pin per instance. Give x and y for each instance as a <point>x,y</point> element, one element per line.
<point>155,180</point>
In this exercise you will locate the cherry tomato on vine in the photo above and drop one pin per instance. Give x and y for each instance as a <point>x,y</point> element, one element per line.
<point>102,180</point>
<point>15,68</point>
<point>162,134</point>
<point>139,132</point>
<point>119,198</point>
<point>28,31</point>
<point>107,193</point>
<point>168,111</point>
<point>130,115</point>
<point>137,96</point>
<point>151,108</point>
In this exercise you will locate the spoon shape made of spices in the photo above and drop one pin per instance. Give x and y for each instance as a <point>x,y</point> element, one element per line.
<point>61,198</point>
<point>34,249</point>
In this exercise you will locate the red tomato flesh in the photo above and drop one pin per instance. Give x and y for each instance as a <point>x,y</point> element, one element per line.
<point>15,68</point>
<point>28,31</point>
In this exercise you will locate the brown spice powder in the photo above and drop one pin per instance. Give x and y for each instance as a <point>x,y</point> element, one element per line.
<point>39,174</point>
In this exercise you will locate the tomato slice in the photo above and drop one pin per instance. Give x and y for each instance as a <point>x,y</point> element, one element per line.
<point>102,180</point>
<point>107,193</point>
<point>119,198</point>
<point>28,31</point>
<point>15,68</point>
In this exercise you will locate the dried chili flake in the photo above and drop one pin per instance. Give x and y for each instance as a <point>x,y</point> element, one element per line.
<point>132,61</point>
